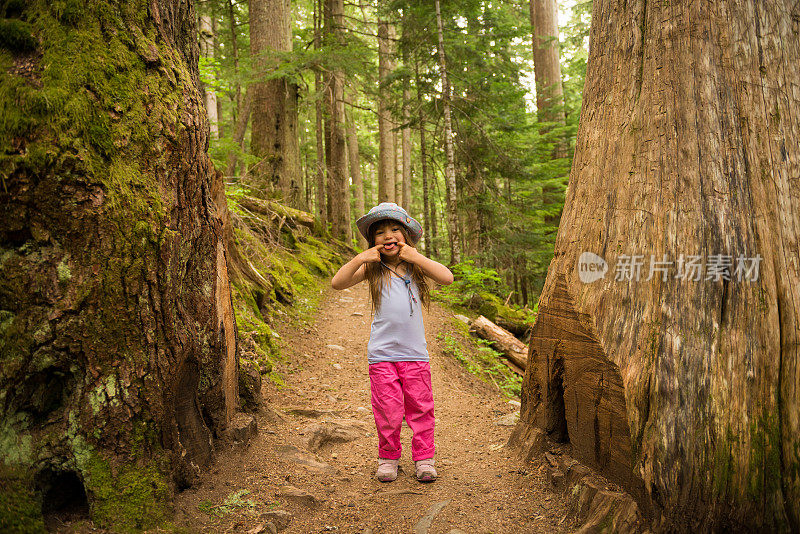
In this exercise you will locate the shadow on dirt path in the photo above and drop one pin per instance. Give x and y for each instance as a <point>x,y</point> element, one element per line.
<point>311,467</point>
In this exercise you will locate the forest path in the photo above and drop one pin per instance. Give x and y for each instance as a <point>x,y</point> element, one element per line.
<point>482,487</point>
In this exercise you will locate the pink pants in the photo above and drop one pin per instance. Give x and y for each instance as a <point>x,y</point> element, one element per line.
<point>398,389</point>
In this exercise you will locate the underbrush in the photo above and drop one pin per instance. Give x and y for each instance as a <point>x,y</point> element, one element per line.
<point>477,291</point>
<point>479,359</point>
<point>280,271</point>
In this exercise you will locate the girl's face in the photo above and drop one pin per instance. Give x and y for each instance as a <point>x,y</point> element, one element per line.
<point>389,234</point>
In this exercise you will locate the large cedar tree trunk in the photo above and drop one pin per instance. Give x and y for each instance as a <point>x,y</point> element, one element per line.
<point>274,136</point>
<point>685,391</point>
<point>117,334</point>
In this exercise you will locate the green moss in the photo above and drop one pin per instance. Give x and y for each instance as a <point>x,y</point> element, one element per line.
<point>765,460</point>
<point>16,445</point>
<point>123,498</point>
<point>724,466</point>
<point>132,500</point>
<point>296,278</point>
<point>20,510</point>
<point>63,271</point>
<point>17,35</point>
<point>98,108</point>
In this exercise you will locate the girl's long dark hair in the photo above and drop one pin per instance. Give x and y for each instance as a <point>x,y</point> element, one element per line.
<point>376,274</point>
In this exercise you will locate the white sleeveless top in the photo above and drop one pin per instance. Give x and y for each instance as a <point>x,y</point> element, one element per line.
<point>397,334</point>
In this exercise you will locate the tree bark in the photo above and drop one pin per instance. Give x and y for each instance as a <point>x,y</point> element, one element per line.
<point>118,336</point>
<point>684,387</point>
<point>373,181</point>
<point>319,89</point>
<point>239,131</point>
<point>386,148</point>
<point>337,163</point>
<point>210,96</point>
<point>546,64</point>
<point>450,168</point>
<point>427,212</point>
<point>235,56</point>
<point>406,136</point>
<point>502,340</point>
<point>274,138</point>
<point>355,167</point>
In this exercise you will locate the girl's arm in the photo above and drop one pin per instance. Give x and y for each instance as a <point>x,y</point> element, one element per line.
<point>433,269</point>
<point>353,271</point>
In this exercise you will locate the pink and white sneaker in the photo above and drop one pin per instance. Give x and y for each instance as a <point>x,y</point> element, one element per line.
<point>426,472</point>
<point>387,469</point>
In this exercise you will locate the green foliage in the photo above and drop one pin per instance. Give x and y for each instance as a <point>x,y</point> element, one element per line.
<point>479,359</point>
<point>469,282</point>
<point>235,501</point>
<point>511,178</point>
<point>480,290</point>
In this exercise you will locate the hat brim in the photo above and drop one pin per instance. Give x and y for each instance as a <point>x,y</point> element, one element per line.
<point>410,223</point>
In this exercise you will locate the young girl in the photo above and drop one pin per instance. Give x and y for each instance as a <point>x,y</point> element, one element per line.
<point>399,372</point>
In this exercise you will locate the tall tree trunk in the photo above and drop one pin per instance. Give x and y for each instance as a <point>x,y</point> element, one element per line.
<point>684,386</point>
<point>386,149</point>
<point>337,163</point>
<point>274,138</point>
<point>118,341</point>
<point>427,212</point>
<point>406,135</point>
<point>319,90</point>
<point>355,166</point>
<point>450,168</point>
<point>546,65</point>
<point>240,128</point>
<point>434,215</point>
<point>398,167</point>
<point>206,35</point>
<point>235,56</point>
<point>217,53</point>
<point>373,182</point>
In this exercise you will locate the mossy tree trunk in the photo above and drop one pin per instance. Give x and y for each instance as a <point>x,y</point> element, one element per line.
<point>117,335</point>
<point>684,384</point>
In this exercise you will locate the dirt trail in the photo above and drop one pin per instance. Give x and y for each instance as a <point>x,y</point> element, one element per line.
<point>482,488</point>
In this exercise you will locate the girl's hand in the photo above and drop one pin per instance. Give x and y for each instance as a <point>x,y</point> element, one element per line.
<point>408,253</point>
<point>371,255</point>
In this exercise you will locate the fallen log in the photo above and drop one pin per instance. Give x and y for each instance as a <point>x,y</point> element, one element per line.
<point>502,340</point>
<point>270,208</point>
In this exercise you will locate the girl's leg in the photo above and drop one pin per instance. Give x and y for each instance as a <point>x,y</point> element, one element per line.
<point>418,395</point>
<point>387,407</point>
